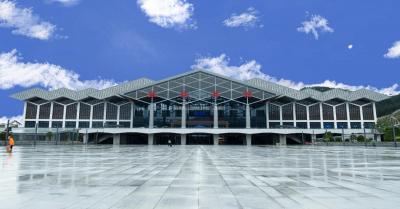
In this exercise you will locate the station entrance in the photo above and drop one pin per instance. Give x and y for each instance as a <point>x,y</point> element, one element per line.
<point>199,139</point>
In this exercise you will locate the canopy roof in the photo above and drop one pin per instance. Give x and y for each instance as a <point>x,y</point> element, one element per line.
<point>200,85</point>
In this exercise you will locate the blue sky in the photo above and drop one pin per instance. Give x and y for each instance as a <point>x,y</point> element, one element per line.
<point>82,43</point>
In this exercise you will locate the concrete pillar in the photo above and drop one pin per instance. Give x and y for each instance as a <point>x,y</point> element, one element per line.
<point>215,115</point>
<point>123,139</point>
<point>248,139</point>
<point>85,138</point>
<point>183,116</point>
<point>151,117</point>
<point>247,116</point>
<point>313,138</point>
<point>150,139</point>
<point>216,139</point>
<point>116,139</point>
<point>183,139</point>
<point>378,138</point>
<point>282,139</point>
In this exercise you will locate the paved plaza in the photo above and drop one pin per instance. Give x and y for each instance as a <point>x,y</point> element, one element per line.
<point>199,177</point>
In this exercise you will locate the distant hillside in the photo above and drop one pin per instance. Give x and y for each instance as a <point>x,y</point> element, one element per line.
<point>388,106</point>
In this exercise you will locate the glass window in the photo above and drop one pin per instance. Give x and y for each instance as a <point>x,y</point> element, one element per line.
<point>30,124</point>
<point>368,112</point>
<point>327,112</point>
<point>257,116</point>
<point>315,112</point>
<point>342,125</point>
<point>287,112</point>
<point>369,125</point>
<point>58,111</point>
<point>31,111</point>
<point>355,125</point>
<point>44,111</point>
<point>84,111</point>
<point>98,111</point>
<point>56,124</point>
<point>354,112</point>
<point>71,111</point>
<point>83,124</point>
<point>274,125</point>
<point>97,124</point>
<point>165,115</point>
<point>315,125</point>
<point>110,124</point>
<point>274,112</point>
<point>329,125</point>
<point>70,124</point>
<point>301,125</point>
<point>301,112</point>
<point>111,112</point>
<point>125,124</point>
<point>288,125</point>
<point>341,112</point>
<point>233,115</point>
<point>125,112</point>
<point>141,115</point>
<point>44,124</point>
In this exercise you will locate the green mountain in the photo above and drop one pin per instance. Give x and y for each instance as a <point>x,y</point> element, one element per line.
<point>388,106</point>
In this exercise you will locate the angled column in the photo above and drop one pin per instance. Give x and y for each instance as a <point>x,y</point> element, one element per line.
<point>248,139</point>
<point>183,115</point>
<point>215,115</point>
<point>313,138</point>
<point>85,138</point>
<point>247,115</point>
<point>183,139</point>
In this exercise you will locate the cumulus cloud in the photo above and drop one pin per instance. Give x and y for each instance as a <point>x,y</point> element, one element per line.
<point>246,19</point>
<point>14,72</point>
<point>252,69</point>
<point>24,22</point>
<point>18,118</point>
<point>168,13</point>
<point>394,51</point>
<point>66,2</point>
<point>315,25</point>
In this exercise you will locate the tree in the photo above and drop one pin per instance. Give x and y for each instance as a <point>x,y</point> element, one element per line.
<point>328,137</point>
<point>360,138</point>
<point>49,135</point>
<point>353,138</point>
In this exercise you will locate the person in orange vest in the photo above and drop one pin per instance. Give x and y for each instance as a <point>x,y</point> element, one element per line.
<point>11,142</point>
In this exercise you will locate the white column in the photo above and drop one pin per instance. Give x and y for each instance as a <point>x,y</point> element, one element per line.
<point>216,139</point>
<point>216,116</point>
<point>361,116</point>
<point>37,115</point>
<point>105,113</point>
<point>334,117</point>
<point>118,111</point>
<point>374,110</point>
<point>308,116</point>
<point>150,139</point>
<point>132,112</point>
<point>85,138</point>
<point>78,109</point>
<point>51,115</point>
<point>183,139</point>
<point>267,114</point>
<point>248,139</point>
<point>348,115</point>
<point>151,117</point>
<point>183,116</point>
<point>294,114</point>
<point>321,115</point>
<point>248,116</point>
<point>116,139</point>
<point>282,139</point>
<point>280,115</point>
<point>24,114</point>
<point>91,116</point>
<point>313,138</point>
<point>64,115</point>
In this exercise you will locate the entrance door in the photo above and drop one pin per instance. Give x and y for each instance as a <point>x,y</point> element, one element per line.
<point>199,139</point>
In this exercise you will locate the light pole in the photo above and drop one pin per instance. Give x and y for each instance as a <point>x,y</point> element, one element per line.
<point>395,122</point>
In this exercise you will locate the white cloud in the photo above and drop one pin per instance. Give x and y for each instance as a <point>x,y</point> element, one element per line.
<point>350,46</point>
<point>252,69</point>
<point>66,2</point>
<point>315,25</point>
<point>168,13</point>
<point>246,19</point>
<point>18,118</point>
<point>24,22</point>
<point>13,73</point>
<point>394,51</point>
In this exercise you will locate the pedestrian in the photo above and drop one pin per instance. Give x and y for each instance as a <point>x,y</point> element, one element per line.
<point>169,143</point>
<point>11,142</point>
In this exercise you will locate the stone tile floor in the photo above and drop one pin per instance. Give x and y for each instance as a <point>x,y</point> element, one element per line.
<point>199,177</point>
